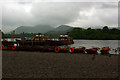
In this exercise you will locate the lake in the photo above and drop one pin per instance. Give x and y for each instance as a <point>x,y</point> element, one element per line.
<point>97,43</point>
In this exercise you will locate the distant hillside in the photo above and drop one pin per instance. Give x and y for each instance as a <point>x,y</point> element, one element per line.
<point>63,29</point>
<point>34,29</point>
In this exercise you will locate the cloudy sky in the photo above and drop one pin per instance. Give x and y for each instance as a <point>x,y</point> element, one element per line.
<point>82,14</point>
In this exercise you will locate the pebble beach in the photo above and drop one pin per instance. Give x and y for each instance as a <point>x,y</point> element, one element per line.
<point>26,64</point>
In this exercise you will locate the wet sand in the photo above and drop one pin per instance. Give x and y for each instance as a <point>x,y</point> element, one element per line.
<point>23,64</point>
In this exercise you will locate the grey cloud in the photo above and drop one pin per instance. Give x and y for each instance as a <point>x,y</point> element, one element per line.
<point>52,13</point>
<point>23,2</point>
<point>55,13</point>
<point>109,5</point>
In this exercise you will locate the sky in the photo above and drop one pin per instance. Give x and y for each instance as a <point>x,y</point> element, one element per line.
<point>55,13</point>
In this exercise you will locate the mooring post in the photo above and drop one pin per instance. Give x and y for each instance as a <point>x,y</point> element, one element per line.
<point>23,38</point>
<point>21,35</point>
<point>28,36</point>
<point>12,35</point>
<point>34,35</point>
<point>32,38</point>
<point>0,38</point>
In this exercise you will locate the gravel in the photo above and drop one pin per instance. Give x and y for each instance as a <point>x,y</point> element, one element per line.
<point>26,64</point>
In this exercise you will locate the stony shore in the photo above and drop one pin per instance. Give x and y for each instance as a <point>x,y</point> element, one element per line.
<point>26,64</point>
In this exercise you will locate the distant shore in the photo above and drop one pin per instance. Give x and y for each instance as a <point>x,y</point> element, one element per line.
<point>26,64</point>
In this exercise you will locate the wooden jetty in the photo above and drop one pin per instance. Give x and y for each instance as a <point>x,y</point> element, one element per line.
<point>36,42</point>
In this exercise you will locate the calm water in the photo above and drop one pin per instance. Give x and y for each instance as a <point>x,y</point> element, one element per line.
<point>97,43</point>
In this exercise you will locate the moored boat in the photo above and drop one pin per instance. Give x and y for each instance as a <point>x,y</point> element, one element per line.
<point>105,50</point>
<point>39,42</point>
<point>92,51</point>
<point>77,50</point>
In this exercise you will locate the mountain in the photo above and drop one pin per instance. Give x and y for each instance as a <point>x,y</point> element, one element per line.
<point>34,29</point>
<point>63,29</point>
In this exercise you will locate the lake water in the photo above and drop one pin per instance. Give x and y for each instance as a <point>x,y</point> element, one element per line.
<point>97,43</point>
<point>94,43</point>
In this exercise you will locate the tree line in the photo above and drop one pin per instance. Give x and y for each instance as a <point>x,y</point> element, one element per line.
<point>80,33</point>
<point>95,34</point>
<point>18,35</point>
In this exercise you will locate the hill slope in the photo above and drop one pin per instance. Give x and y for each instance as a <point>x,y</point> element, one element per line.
<point>34,29</point>
<point>63,29</point>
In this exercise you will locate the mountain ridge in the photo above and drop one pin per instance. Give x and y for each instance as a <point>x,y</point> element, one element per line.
<point>34,29</point>
<point>49,30</point>
<point>62,29</point>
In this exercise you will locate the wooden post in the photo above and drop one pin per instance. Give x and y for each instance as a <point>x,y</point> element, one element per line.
<point>0,38</point>
<point>23,38</point>
<point>12,35</point>
<point>32,38</point>
<point>28,36</point>
<point>34,35</point>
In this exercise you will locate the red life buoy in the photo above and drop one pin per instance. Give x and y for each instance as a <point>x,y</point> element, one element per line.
<point>2,47</point>
<point>14,47</point>
<point>71,49</point>
<point>57,49</point>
